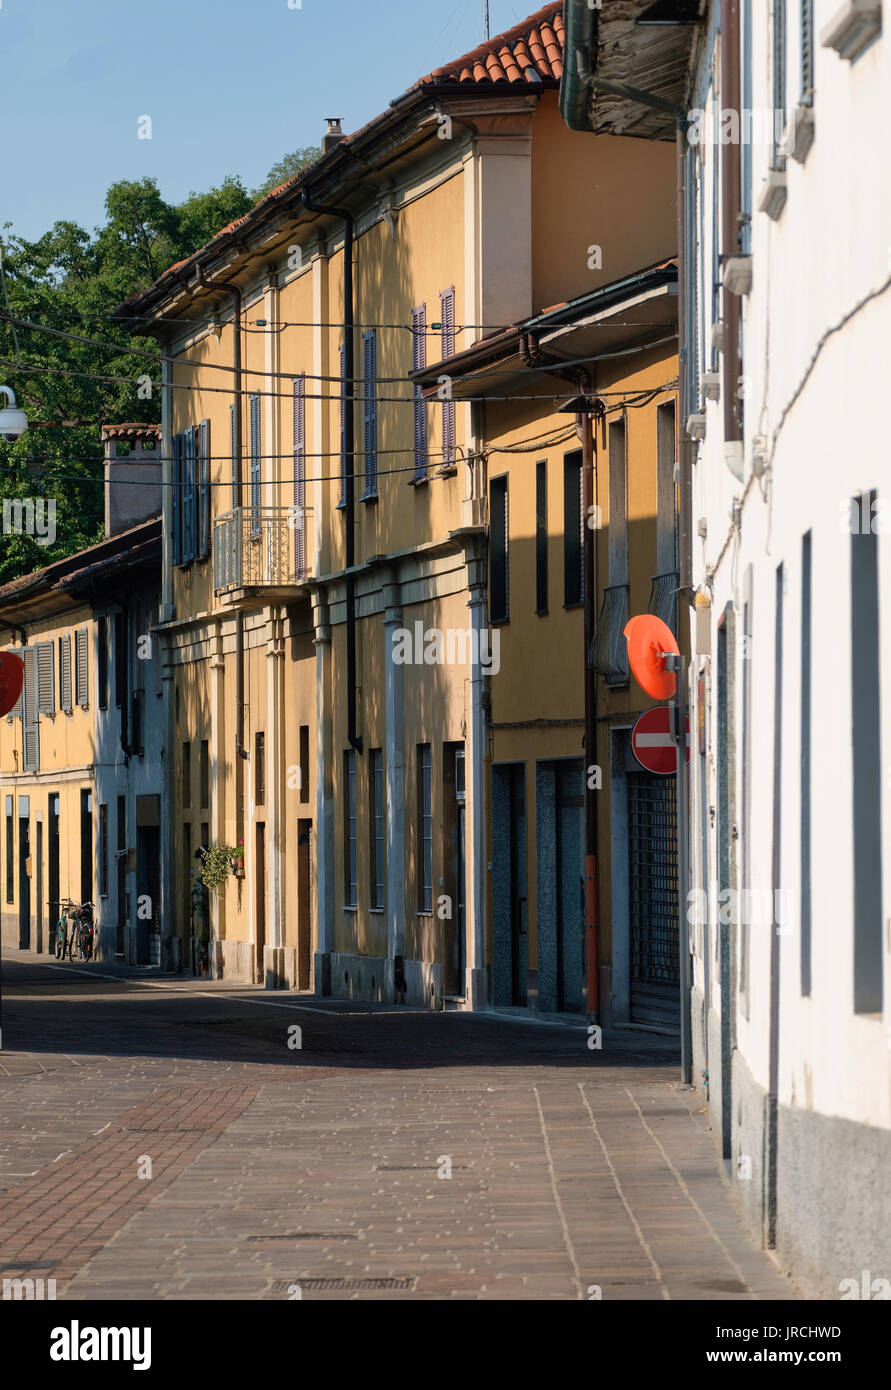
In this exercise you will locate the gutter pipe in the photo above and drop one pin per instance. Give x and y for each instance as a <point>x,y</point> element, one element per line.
<point>349,231</point>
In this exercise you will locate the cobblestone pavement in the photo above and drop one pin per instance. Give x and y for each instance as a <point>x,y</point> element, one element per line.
<point>162,1138</point>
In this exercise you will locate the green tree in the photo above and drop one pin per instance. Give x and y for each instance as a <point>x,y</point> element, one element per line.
<point>287,168</point>
<point>71,281</point>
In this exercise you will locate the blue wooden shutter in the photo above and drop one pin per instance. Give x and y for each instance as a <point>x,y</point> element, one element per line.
<point>46,678</point>
<point>300,475</point>
<point>177,500</point>
<point>30,732</point>
<point>188,505</point>
<point>256,488</point>
<point>82,667</point>
<point>344,461</point>
<point>204,472</point>
<point>65,672</point>
<point>419,362</point>
<point>370,412</point>
<point>449,435</point>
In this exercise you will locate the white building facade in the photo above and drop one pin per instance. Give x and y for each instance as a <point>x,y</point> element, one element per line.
<point>787,231</point>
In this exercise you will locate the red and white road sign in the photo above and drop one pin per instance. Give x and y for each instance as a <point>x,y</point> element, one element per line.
<point>653,744</point>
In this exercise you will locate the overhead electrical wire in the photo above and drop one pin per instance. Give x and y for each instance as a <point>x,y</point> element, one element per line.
<point>337,398</point>
<point>118,349</point>
<point>551,439</point>
<point>261,325</point>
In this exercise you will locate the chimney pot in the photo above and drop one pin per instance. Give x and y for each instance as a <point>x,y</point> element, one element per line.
<point>334,133</point>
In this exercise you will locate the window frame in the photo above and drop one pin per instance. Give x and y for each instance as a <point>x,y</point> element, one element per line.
<point>499,524</point>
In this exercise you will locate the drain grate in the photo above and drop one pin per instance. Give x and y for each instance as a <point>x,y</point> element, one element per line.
<point>309,1235</point>
<point>333,1285</point>
<point>416,1168</point>
<point>28,1265</point>
<point>722,1285</point>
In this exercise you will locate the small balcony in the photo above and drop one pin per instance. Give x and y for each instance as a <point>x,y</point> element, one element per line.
<point>664,599</point>
<point>608,655</point>
<point>266,549</point>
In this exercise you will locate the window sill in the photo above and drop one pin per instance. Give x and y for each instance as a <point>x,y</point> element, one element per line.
<point>368,497</point>
<point>573,607</point>
<point>341,505</point>
<point>447,470</point>
<point>420,480</point>
<point>378,911</point>
<point>348,908</point>
<point>425,913</point>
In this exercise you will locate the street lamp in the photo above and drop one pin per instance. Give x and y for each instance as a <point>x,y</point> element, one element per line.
<point>13,422</point>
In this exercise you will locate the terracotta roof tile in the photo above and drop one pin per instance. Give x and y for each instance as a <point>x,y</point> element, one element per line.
<point>131,431</point>
<point>529,53</point>
<point>536,43</point>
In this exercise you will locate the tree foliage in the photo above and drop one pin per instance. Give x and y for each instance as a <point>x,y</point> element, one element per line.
<point>71,280</point>
<point>287,168</point>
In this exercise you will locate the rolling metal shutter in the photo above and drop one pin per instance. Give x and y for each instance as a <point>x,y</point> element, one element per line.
<point>653,899</point>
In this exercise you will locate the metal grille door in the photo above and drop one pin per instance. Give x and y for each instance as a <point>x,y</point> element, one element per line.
<point>653,884</point>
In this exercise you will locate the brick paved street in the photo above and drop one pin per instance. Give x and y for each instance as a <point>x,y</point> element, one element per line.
<point>273,1167</point>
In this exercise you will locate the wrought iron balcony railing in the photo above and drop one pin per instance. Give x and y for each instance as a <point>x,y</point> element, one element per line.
<point>664,599</point>
<point>262,548</point>
<point>608,655</point>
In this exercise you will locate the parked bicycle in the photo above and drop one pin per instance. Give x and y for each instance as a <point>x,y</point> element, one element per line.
<point>74,931</point>
<point>62,944</point>
<point>82,936</point>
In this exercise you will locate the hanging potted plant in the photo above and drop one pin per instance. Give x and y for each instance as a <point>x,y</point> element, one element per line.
<point>217,862</point>
<point>238,860</point>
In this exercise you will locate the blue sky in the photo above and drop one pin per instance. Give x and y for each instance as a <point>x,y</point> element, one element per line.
<point>230,85</point>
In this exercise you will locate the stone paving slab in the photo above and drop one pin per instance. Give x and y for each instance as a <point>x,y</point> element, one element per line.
<point>570,1171</point>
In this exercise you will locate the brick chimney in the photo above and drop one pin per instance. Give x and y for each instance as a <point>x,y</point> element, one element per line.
<point>132,475</point>
<point>334,134</point>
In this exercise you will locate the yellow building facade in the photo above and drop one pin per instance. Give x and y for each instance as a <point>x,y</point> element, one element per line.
<point>80,756</point>
<point>331,702</point>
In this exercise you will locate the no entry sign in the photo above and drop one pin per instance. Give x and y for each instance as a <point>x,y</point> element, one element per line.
<point>653,744</point>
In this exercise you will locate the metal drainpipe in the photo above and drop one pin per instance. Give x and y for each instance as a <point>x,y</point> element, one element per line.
<point>730,210</point>
<point>685,479</point>
<point>350,449</point>
<point>532,356</point>
<point>240,750</point>
<point>125,693</point>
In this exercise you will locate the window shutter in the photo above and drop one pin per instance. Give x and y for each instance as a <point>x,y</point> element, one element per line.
<point>16,711</point>
<point>300,475</point>
<point>779,78</point>
<point>449,436</point>
<point>65,672</point>
<point>233,432</point>
<point>541,536</point>
<point>419,362</point>
<point>46,692</point>
<point>204,507</point>
<point>807,52</point>
<point>573,529</point>
<point>189,497</point>
<point>370,412</point>
<point>176,510</point>
<point>344,461</point>
<point>30,733</point>
<point>256,492</point>
<point>499,603</point>
<point>81,667</point>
